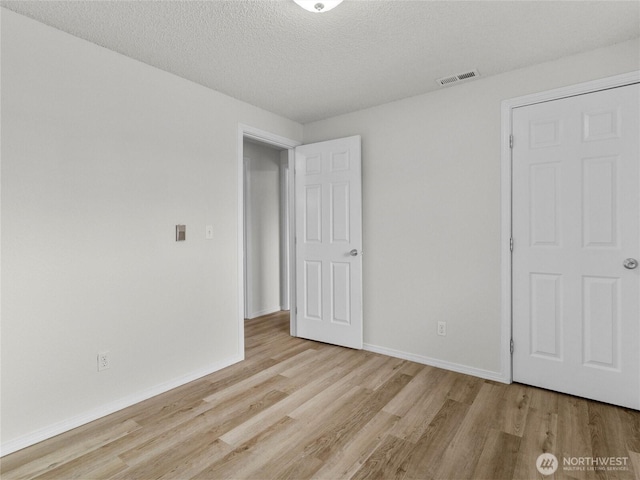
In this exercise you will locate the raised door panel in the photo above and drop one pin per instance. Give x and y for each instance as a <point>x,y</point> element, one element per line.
<point>313,297</point>
<point>312,214</point>
<point>340,161</point>
<point>601,322</point>
<point>341,292</point>
<point>545,204</point>
<point>545,133</point>
<point>340,208</point>
<point>546,315</point>
<point>601,124</point>
<point>600,202</point>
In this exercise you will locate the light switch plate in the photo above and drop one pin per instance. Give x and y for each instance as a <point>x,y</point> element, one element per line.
<point>209,232</point>
<point>181,233</point>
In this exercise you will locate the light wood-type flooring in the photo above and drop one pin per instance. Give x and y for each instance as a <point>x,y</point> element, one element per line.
<point>299,409</point>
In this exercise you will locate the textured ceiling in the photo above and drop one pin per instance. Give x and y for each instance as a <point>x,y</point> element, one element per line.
<point>308,66</point>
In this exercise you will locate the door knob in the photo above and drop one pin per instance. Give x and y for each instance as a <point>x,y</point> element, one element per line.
<point>354,253</point>
<point>630,263</point>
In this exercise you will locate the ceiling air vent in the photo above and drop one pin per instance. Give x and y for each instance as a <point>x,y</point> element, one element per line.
<point>450,80</point>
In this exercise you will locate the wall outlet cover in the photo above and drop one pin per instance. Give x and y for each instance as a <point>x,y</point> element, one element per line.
<point>104,361</point>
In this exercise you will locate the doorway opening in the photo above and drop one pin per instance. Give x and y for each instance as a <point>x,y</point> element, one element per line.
<point>265,225</point>
<point>264,233</point>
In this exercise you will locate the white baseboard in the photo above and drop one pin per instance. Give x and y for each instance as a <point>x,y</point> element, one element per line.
<point>104,410</point>
<point>266,311</point>
<point>433,362</point>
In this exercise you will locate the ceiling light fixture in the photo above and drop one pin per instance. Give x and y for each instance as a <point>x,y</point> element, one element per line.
<point>318,6</point>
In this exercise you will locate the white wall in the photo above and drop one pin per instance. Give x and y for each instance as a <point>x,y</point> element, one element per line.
<point>263,229</point>
<point>431,188</point>
<point>101,157</point>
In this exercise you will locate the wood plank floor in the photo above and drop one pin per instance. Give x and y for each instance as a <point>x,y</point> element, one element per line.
<point>299,409</point>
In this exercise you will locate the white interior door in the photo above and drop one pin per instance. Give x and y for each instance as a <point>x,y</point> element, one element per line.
<point>328,205</point>
<point>576,215</point>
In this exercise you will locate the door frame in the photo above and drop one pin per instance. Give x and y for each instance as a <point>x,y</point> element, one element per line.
<point>246,131</point>
<point>507,106</point>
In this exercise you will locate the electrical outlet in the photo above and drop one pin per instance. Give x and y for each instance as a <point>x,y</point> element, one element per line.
<point>442,329</point>
<point>104,361</point>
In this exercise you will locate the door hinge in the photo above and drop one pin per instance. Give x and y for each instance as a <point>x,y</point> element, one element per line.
<point>511,346</point>
<point>510,141</point>
<point>511,244</point>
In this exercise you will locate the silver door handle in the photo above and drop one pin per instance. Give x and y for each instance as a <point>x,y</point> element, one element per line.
<point>353,253</point>
<point>630,263</point>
